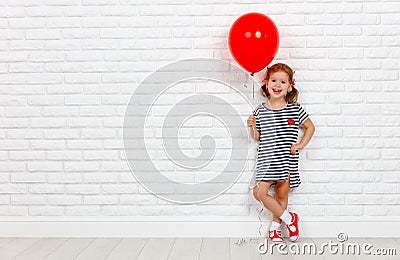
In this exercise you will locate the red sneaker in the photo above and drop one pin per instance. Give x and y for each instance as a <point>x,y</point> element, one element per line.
<point>293,227</point>
<point>275,235</point>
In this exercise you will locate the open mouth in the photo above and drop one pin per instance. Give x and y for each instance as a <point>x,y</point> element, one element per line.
<point>276,91</point>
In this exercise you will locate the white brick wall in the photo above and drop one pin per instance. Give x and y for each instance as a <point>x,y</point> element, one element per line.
<point>68,69</point>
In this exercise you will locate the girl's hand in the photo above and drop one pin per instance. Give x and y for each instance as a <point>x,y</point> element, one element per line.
<point>295,147</point>
<point>251,122</point>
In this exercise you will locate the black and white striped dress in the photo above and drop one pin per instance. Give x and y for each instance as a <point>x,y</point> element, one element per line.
<point>279,129</point>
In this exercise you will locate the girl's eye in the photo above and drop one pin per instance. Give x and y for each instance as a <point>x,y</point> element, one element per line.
<point>283,82</point>
<point>273,80</point>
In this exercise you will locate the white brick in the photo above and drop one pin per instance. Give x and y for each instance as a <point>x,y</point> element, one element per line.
<point>47,144</point>
<point>81,166</point>
<point>46,188</point>
<point>390,154</point>
<point>85,100</point>
<point>344,210</point>
<point>64,177</point>
<point>30,199</point>
<point>117,210</point>
<point>81,78</point>
<point>349,121</point>
<point>326,200</point>
<point>355,199</point>
<point>28,177</point>
<point>196,210</point>
<point>324,177</point>
<point>12,167</point>
<point>361,154</point>
<point>362,42</point>
<point>345,143</point>
<point>64,155</point>
<point>26,45</point>
<point>100,200</point>
<point>19,134</point>
<point>13,123</point>
<point>43,34</point>
<point>345,8</point>
<point>12,34</point>
<point>325,19</point>
<point>61,133</point>
<point>13,211</point>
<point>8,12</point>
<point>44,166</point>
<point>326,42</point>
<point>329,154</point>
<point>98,133</point>
<point>63,23</point>
<point>84,144</point>
<point>12,188</point>
<point>64,89</point>
<point>84,122</point>
<point>39,11</point>
<point>46,211</point>
<point>344,165</point>
<point>114,167</point>
<point>381,9</point>
<point>156,211</point>
<point>304,31</point>
<point>82,188</point>
<point>383,165</point>
<point>23,67</point>
<point>344,188</point>
<point>379,30</point>
<point>108,177</point>
<point>83,211</point>
<point>4,199</point>
<point>390,199</point>
<point>311,188</point>
<point>23,111</point>
<point>380,188</point>
<point>121,10</point>
<point>45,101</point>
<point>100,155</point>
<point>14,144</point>
<point>119,188</point>
<point>360,19</point>
<point>61,200</point>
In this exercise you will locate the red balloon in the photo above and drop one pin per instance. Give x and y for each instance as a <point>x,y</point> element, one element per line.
<point>253,41</point>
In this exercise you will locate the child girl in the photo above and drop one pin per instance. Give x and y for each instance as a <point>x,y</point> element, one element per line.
<point>275,124</point>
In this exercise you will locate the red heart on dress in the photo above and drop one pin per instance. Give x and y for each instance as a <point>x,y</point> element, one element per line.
<point>290,121</point>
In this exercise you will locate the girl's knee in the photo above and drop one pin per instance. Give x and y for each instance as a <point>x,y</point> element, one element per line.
<point>260,190</point>
<point>256,193</point>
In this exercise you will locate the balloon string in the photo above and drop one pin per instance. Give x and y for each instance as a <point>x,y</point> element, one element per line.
<point>259,218</point>
<point>260,211</point>
<point>253,89</point>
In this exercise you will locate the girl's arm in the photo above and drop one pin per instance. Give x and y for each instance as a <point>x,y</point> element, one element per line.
<point>255,134</point>
<point>310,129</point>
<point>251,122</point>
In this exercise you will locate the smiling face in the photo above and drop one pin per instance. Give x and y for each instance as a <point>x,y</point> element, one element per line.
<point>278,85</point>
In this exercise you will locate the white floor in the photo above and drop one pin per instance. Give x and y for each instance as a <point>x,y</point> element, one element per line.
<point>173,248</point>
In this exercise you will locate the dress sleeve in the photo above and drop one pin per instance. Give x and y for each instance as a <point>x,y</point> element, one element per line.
<point>256,113</point>
<point>303,116</point>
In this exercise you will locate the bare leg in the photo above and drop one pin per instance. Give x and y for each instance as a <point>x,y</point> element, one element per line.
<point>282,194</point>
<point>260,192</point>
